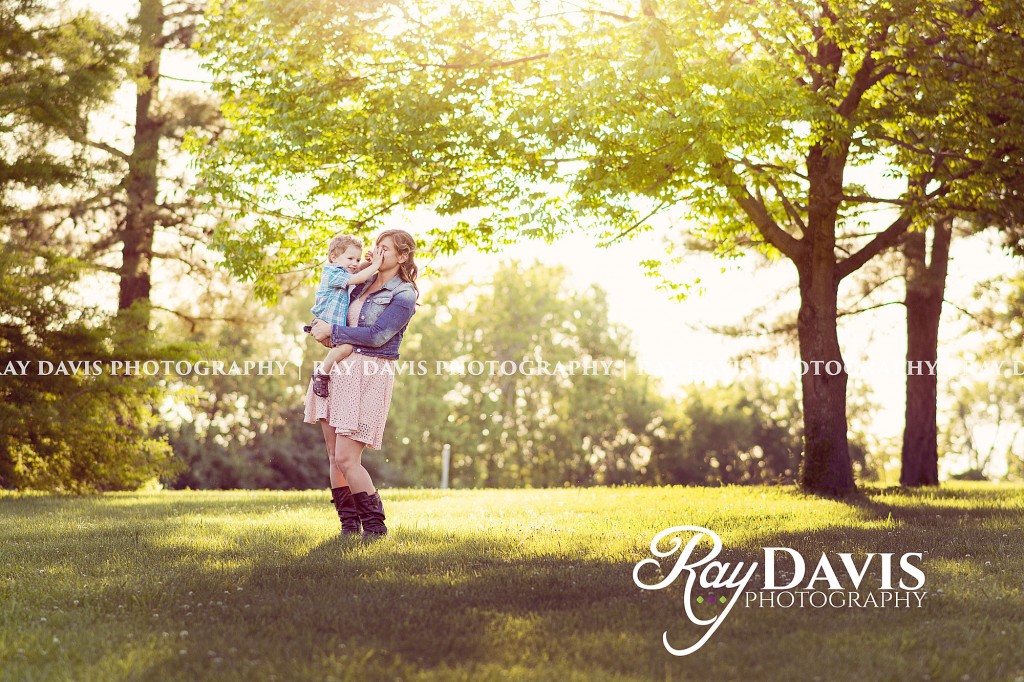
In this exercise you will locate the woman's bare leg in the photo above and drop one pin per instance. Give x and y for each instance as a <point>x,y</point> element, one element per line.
<point>330,438</point>
<point>348,454</point>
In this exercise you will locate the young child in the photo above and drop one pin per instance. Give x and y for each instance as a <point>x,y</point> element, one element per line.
<point>331,305</point>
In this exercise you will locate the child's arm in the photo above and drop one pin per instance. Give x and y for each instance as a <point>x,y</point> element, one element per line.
<point>336,277</point>
<point>368,271</point>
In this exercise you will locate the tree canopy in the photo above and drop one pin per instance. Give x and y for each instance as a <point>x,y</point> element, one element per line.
<point>531,117</point>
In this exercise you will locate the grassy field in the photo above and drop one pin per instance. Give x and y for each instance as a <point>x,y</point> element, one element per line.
<point>477,585</point>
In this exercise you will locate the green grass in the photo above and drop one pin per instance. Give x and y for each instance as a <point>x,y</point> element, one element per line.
<point>477,585</point>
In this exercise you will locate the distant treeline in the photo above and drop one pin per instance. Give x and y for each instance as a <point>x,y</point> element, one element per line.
<point>505,428</point>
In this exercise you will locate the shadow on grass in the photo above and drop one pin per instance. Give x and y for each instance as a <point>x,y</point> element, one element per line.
<point>256,600</point>
<point>925,503</point>
<point>972,557</point>
<point>419,599</point>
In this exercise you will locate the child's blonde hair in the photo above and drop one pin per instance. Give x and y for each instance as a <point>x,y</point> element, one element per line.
<point>342,243</point>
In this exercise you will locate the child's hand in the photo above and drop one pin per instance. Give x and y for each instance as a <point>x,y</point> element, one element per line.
<point>377,255</point>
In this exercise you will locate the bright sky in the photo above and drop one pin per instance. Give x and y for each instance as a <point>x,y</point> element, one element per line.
<point>664,332</point>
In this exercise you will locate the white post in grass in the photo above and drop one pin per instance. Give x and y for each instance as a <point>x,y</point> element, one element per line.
<point>446,461</point>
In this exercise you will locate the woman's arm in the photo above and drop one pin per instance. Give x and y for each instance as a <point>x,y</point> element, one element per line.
<point>395,316</point>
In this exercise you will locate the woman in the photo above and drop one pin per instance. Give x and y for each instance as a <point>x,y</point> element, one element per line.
<point>356,410</point>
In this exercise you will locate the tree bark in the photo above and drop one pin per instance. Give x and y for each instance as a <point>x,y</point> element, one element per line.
<point>141,183</point>
<point>925,282</point>
<point>826,469</point>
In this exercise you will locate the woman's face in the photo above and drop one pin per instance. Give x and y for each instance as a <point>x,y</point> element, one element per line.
<point>391,255</point>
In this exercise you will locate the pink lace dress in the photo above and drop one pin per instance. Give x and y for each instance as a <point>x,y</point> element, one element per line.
<point>359,394</point>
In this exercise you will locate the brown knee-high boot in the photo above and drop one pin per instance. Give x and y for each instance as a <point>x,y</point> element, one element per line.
<point>347,513</point>
<point>371,515</point>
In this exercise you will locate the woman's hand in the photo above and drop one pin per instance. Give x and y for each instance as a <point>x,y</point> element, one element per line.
<point>321,331</point>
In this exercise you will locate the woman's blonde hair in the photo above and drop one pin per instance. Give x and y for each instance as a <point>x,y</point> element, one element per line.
<point>404,244</point>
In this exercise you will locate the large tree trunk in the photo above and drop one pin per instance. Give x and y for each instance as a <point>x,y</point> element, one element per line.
<point>826,467</point>
<point>926,283</point>
<point>141,183</point>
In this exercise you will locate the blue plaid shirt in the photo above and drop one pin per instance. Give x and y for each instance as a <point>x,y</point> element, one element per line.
<point>331,303</point>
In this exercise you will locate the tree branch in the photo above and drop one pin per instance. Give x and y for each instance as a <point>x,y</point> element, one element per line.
<point>789,245</point>
<point>108,148</point>
<point>80,137</point>
<point>885,239</point>
<point>489,65</point>
<point>753,165</point>
<point>979,321</point>
<point>164,76</point>
<point>858,311</point>
<point>860,199</point>
<point>189,12</point>
<point>194,320</point>
<point>632,227</point>
<point>862,82</point>
<point>180,33</point>
<point>602,13</point>
<point>790,208</point>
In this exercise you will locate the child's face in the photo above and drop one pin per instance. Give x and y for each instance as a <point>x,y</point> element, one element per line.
<point>349,258</point>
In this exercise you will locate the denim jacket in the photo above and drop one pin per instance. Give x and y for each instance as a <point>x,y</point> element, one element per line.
<point>383,318</point>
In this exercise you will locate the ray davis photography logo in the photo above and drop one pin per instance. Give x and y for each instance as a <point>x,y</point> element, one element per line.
<point>713,587</point>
